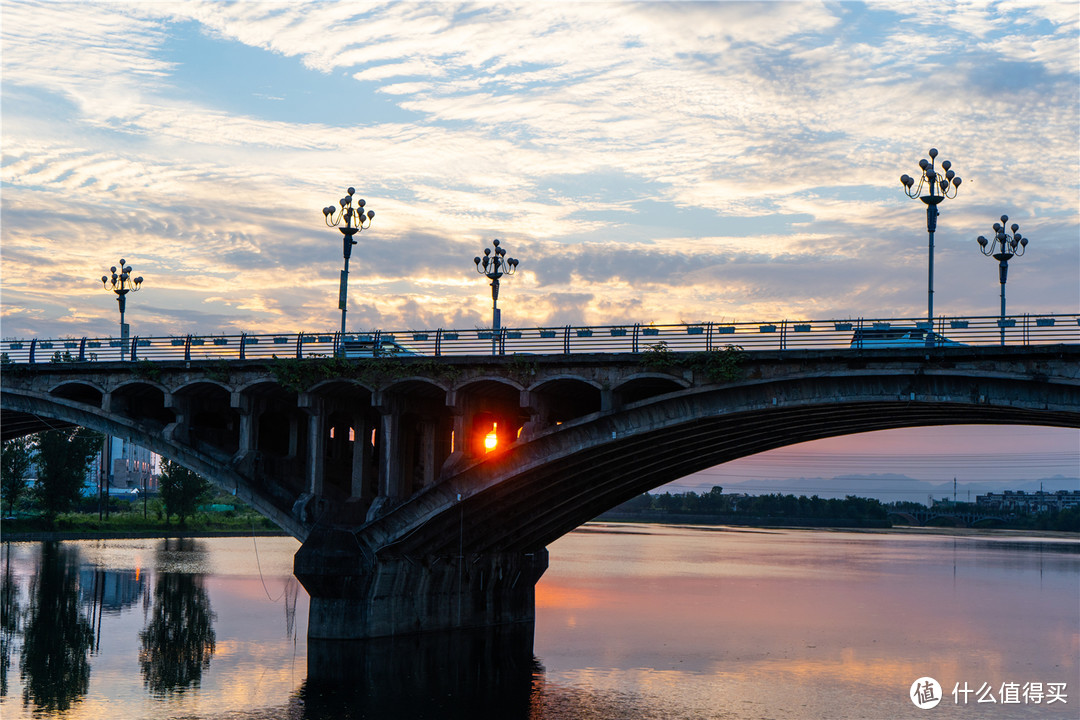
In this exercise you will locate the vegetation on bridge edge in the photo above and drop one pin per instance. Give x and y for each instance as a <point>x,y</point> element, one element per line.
<point>299,375</point>
<point>720,365</point>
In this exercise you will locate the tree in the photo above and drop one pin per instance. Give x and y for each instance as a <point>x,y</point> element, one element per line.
<point>11,617</point>
<point>58,638</point>
<point>63,458</point>
<point>182,491</point>
<point>15,461</point>
<point>178,642</point>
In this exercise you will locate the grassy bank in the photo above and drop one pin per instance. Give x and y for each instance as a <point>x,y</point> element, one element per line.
<point>133,524</point>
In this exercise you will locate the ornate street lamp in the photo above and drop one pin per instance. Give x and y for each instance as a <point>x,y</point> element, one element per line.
<point>1003,247</point>
<point>494,266</point>
<point>355,220</point>
<point>938,187</point>
<point>121,283</point>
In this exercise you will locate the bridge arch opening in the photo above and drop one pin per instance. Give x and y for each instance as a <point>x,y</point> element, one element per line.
<point>487,405</point>
<point>276,441</point>
<point>143,402</point>
<point>425,427</point>
<point>560,400</point>
<point>643,387</point>
<point>211,421</point>
<point>349,428</point>
<point>79,392</point>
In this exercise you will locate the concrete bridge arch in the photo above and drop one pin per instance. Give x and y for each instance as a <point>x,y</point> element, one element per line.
<point>421,528</point>
<point>68,388</point>
<point>566,475</point>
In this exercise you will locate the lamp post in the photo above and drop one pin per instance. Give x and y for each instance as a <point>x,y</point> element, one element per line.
<point>355,220</point>
<point>938,187</point>
<point>1003,247</point>
<point>494,266</point>
<point>121,283</point>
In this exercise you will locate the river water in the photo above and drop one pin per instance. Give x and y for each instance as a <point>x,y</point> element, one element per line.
<point>633,621</point>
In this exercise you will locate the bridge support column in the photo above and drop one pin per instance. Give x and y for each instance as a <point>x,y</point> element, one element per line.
<point>354,598</point>
<point>391,483</point>
<point>362,461</point>
<point>316,454</point>
<point>245,407</point>
<point>180,429</point>
<point>532,405</point>
<point>428,429</point>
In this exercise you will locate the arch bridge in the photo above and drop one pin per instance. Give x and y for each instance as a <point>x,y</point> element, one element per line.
<point>411,521</point>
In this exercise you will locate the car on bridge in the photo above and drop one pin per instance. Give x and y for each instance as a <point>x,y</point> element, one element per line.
<point>899,336</point>
<point>376,348</point>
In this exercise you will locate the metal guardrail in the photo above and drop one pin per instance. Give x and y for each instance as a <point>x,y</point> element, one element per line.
<point>1019,330</point>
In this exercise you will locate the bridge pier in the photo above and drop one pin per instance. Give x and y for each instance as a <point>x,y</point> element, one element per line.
<point>355,597</point>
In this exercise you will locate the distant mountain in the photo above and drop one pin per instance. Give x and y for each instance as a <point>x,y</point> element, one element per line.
<point>887,487</point>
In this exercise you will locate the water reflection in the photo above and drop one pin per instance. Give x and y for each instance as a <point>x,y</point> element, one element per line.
<point>178,641</point>
<point>58,637</point>
<point>10,615</point>
<point>652,623</point>
<point>461,674</point>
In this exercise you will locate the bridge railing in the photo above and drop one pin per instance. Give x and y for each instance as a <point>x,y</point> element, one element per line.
<point>1023,330</point>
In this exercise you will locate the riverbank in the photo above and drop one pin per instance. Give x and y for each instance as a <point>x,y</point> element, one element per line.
<point>1003,533</point>
<point>133,525</point>
<point>56,535</point>
<point>981,532</point>
<point>742,520</point>
<point>904,530</point>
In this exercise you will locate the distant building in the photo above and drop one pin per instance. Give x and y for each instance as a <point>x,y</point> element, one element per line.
<point>125,467</point>
<point>1028,503</point>
<point>112,590</point>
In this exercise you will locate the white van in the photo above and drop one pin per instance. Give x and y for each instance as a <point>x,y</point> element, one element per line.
<point>898,336</point>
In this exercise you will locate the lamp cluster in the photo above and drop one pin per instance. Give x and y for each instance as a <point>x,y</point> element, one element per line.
<point>348,214</point>
<point>946,183</point>
<point>1003,243</point>
<point>495,265</point>
<point>121,281</point>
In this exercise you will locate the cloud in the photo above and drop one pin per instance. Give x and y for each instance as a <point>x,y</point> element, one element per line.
<point>648,162</point>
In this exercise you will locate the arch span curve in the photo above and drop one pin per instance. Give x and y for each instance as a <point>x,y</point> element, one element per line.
<point>539,490</point>
<point>51,412</point>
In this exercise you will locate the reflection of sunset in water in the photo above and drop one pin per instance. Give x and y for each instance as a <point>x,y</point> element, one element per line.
<point>633,621</point>
<point>802,619</point>
<point>558,597</point>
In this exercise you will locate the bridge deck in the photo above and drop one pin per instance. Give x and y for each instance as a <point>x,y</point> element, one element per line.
<point>1022,330</point>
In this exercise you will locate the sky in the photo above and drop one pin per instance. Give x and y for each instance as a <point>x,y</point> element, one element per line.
<point>645,162</point>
